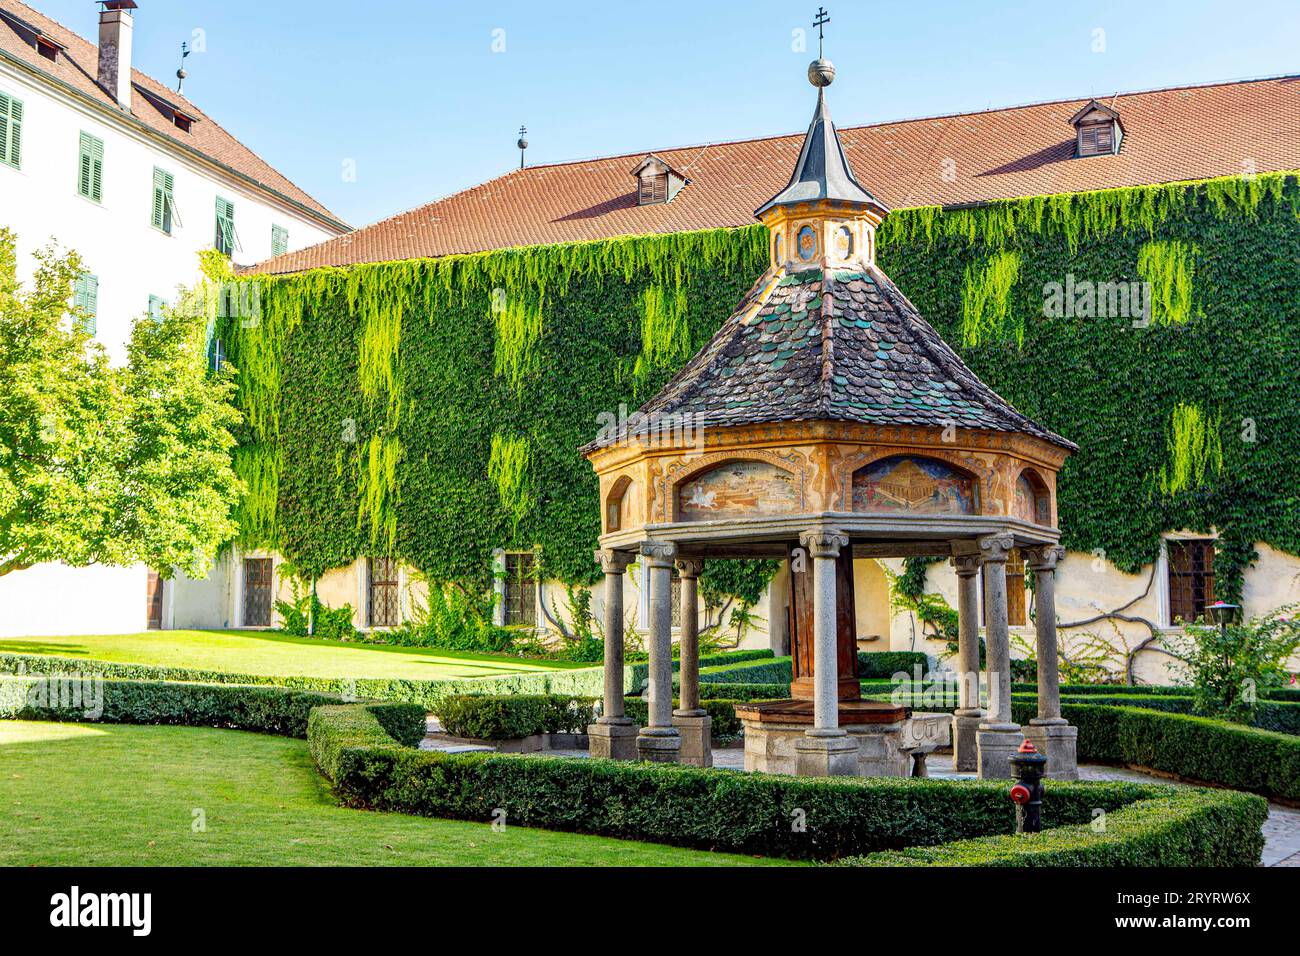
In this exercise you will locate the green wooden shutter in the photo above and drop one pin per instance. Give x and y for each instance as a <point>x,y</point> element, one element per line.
<point>11,131</point>
<point>279,240</point>
<point>156,306</point>
<point>90,171</point>
<point>163,199</point>
<point>225,239</point>
<point>86,299</point>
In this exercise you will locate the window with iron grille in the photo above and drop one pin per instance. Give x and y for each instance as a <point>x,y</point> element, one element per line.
<point>258,576</point>
<point>1191,579</point>
<point>384,593</point>
<point>521,606</point>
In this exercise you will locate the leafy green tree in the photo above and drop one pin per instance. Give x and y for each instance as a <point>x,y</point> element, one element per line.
<point>105,465</point>
<point>62,423</point>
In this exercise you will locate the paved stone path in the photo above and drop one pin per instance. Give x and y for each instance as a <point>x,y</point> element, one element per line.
<point>1281,829</point>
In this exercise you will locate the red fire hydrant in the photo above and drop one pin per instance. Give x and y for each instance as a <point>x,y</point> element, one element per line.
<point>1027,767</point>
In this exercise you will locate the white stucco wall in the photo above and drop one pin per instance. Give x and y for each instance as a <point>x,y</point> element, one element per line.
<point>133,261</point>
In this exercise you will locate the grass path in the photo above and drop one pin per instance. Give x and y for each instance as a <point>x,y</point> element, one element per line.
<point>260,652</point>
<point>113,795</point>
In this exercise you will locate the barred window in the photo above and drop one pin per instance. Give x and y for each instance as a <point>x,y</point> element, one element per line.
<point>1191,579</point>
<point>521,607</point>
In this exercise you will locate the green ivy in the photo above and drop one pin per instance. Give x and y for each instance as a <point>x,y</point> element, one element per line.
<point>373,395</point>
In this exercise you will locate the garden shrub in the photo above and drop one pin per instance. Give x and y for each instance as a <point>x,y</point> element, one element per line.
<point>587,681</point>
<point>271,710</point>
<point>708,809</point>
<point>724,724</point>
<point>777,671</point>
<point>744,691</point>
<point>640,667</point>
<point>509,718</point>
<point>885,664</point>
<point>1188,827</point>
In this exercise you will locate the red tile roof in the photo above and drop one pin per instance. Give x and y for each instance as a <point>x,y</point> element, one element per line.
<point>77,66</point>
<point>1171,135</point>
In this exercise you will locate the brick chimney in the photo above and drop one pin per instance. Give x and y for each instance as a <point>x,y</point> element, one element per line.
<point>116,26</point>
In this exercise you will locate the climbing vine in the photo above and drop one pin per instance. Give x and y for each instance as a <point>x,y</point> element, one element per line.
<point>391,405</point>
<point>986,314</point>
<point>1195,450</point>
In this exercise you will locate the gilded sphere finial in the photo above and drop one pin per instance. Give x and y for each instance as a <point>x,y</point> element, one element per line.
<point>821,72</point>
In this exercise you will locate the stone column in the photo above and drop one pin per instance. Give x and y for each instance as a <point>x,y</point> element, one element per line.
<point>691,720</point>
<point>826,748</point>
<point>659,741</point>
<point>998,736</point>
<point>613,735</point>
<point>1050,732</point>
<point>969,714</point>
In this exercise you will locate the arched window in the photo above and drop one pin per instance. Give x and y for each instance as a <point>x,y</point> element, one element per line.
<point>911,484</point>
<point>1033,501</point>
<point>738,489</point>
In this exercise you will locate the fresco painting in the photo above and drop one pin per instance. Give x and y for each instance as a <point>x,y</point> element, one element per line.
<point>911,485</point>
<point>740,488</point>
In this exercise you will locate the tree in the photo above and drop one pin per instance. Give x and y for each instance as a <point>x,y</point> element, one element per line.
<point>104,465</point>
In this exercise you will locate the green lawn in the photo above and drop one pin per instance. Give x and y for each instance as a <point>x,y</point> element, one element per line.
<point>113,795</point>
<point>261,652</point>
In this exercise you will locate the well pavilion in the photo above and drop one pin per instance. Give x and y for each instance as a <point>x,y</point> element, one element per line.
<point>826,420</point>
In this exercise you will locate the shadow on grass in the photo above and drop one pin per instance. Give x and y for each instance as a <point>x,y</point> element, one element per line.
<point>34,647</point>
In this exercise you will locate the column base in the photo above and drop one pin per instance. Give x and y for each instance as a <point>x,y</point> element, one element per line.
<point>965,748</point>
<point>612,739</point>
<point>658,744</point>
<point>995,744</point>
<point>1059,743</point>
<point>695,728</point>
<point>818,756</point>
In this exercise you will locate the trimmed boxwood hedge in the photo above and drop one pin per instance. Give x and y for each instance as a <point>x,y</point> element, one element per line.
<point>725,723</point>
<point>509,718</point>
<point>779,670</point>
<point>270,710</point>
<point>588,681</point>
<point>744,691</point>
<point>1190,827</point>
<point>640,670</point>
<point>1150,690</point>
<point>715,809</point>
<point>885,664</point>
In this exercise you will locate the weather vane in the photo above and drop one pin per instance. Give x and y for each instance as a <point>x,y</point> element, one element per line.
<point>820,22</point>
<point>181,74</point>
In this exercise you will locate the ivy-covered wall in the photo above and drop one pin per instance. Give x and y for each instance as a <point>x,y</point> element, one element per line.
<point>433,409</point>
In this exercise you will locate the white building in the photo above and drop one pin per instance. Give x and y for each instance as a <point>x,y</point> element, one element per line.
<point>138,180</point>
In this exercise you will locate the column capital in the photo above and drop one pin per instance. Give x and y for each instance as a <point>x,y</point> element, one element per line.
<point>967,565</point>
<point>1044,558</point>
<point>689,568</point>
<point>824,544</point>
<point>613,562</point>
<point>659,554</point>
<point>996,548</point>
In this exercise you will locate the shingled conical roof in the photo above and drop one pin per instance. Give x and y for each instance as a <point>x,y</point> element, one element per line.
<point>823,171</point>
<point>838,346</point>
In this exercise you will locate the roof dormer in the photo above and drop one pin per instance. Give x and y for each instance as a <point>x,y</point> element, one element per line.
<point>181,118</point>
<point>42,42</point>
<point>1098,130</point>
<point>657,182</point>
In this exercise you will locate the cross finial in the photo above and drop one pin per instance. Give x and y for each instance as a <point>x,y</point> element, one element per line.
<point>820,22</point>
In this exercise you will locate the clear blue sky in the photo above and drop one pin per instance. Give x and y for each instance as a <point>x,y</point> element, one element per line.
<point>412,91</point>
